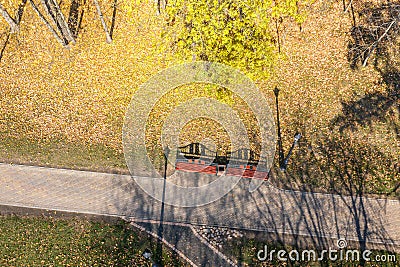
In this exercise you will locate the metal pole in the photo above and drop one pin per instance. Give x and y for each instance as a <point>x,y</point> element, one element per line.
<point>280,147</point>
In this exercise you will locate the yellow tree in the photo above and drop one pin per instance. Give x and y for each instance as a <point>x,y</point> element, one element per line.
<point>234,32</point>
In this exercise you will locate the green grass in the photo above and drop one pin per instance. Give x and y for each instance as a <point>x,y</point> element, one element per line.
<point>46,241</point>
<point>62,154</point>
<point>28,241</point>
<point>245,250</point>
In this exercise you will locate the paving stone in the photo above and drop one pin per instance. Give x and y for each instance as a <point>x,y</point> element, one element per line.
<point>374,221</point>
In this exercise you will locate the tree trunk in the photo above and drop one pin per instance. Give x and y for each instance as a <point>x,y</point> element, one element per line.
<point>161,4</point>
<point>53,31</point>
<point>21,9</point>
<point>4,46</point>
<point>13,24</point>
<point>73,17</point>
<point>63,26</point>
<point>53,11</point>
<point>108,37</point>
<point>113,18</point>
<point>49,13</point>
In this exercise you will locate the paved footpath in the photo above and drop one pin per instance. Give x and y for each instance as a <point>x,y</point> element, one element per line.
<point>319,217</point>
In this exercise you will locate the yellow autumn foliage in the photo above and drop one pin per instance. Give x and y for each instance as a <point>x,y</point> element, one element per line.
<point>80,95</point>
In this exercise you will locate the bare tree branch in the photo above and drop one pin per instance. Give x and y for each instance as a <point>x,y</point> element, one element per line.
<point>376,35</point>
<point>375,44</point>
<point>348,6</point>
<point>108,37</point>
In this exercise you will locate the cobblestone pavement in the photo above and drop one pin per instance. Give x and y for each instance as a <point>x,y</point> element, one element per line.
<point>320,217</point>
<point>188,244</point>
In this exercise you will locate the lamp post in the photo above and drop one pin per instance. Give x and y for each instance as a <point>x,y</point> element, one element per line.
<point>297,137</point>
<point>166,154</point>
<point>280,147</point>
<point>282,160</point>
<point>161,226</point>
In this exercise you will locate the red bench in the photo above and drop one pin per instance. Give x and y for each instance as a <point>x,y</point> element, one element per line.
<point>194,167</point>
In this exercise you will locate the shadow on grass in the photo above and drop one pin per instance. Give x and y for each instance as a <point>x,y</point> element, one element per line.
<point>375,40</point>
<point>34,241</point>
